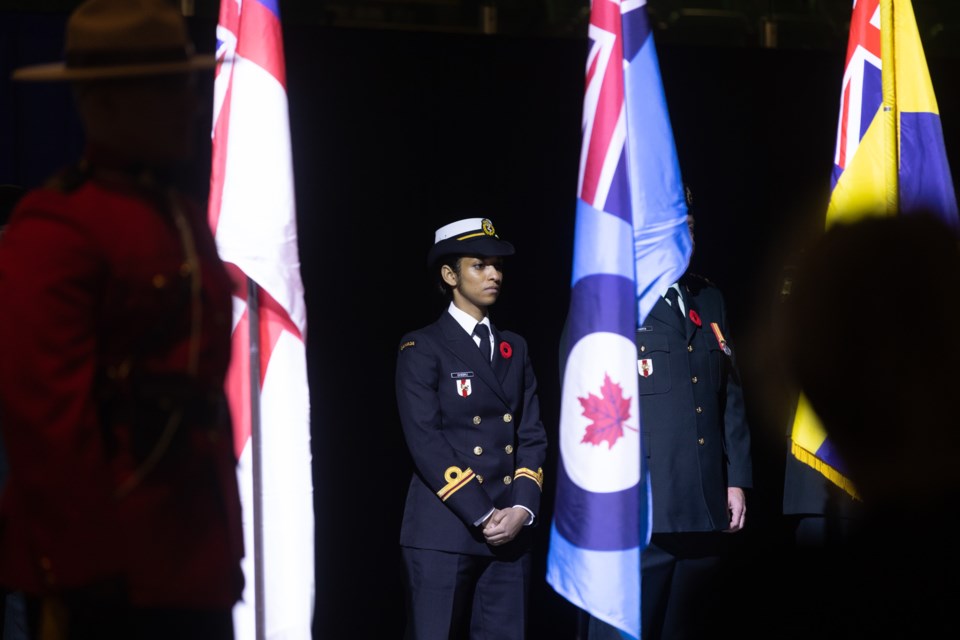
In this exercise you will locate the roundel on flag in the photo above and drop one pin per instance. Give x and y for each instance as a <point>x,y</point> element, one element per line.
<point>599,414</point>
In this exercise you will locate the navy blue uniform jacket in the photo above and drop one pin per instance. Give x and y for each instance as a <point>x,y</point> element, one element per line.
<point>695,435</point>
<point>474,432</point>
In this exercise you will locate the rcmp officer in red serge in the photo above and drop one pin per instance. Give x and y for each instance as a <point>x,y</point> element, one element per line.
<point>121,516</point>
<point>467,398</point>
<point>696,444</point>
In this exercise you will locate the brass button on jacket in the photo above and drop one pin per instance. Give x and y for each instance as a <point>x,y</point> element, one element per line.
<point>507,417</point>
<point>478,450</point>
<point>476,419</point>
<point>508,448</point>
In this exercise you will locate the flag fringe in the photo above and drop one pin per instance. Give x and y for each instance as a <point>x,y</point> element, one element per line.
<point>826,470</point>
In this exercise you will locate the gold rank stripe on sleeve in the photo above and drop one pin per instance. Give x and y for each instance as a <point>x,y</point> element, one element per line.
<point>537,476</point>
<point>456,480</point>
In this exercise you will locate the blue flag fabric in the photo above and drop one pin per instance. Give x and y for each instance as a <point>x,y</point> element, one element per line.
<point>631,243</point>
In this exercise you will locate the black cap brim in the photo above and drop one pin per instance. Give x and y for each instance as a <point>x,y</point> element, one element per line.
<point>485,246</point>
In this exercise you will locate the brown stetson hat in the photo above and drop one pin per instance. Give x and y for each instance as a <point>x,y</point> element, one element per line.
<point>122,39</point>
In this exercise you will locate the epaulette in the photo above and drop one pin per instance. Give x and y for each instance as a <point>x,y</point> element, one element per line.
<point>697,281</point>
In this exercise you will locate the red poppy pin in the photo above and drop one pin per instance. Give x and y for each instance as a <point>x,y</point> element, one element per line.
<point>506,350</point>
<point>695,317</point>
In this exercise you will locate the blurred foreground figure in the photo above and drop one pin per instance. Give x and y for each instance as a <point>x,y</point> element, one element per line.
<point>886,398</point>
<point>121,517</point>
<point>886,405</point>
<point>12,615</point>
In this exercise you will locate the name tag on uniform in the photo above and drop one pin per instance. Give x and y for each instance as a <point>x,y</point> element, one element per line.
<point>645,329</point>
<point>461,374</point>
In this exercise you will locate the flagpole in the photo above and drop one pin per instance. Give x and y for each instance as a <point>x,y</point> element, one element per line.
<point>253,313</point>
<point>890,114</point>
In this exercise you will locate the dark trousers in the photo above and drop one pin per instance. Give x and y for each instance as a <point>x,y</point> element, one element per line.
<point>452,596</point>
<point>678,571</point>
<point>79,618</point>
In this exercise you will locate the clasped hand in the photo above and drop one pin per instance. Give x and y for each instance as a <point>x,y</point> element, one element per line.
<point>503,525</point>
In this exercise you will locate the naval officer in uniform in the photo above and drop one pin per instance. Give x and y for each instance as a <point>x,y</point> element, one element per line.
<point>467,398</point>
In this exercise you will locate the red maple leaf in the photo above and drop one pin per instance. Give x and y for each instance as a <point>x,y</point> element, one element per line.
<point>608,414</point>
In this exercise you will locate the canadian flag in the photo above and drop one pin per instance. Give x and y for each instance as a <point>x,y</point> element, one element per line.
<point>253,216</point>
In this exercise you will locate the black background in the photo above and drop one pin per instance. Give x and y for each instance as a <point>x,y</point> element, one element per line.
<point>396,133</point>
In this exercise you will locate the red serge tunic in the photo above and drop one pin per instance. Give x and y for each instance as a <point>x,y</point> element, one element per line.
<point>115,329</point>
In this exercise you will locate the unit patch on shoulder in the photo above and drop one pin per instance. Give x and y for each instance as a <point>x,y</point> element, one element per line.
<point>408,343</point>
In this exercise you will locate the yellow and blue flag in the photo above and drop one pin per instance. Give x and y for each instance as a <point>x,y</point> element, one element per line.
<point>890,159</point>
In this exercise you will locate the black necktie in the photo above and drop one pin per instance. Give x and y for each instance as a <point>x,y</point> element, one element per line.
<point>484,334</point>
<point>673,297</point>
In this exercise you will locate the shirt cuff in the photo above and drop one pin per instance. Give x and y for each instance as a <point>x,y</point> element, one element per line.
<point>485,516</point>
<point>530,519</point>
